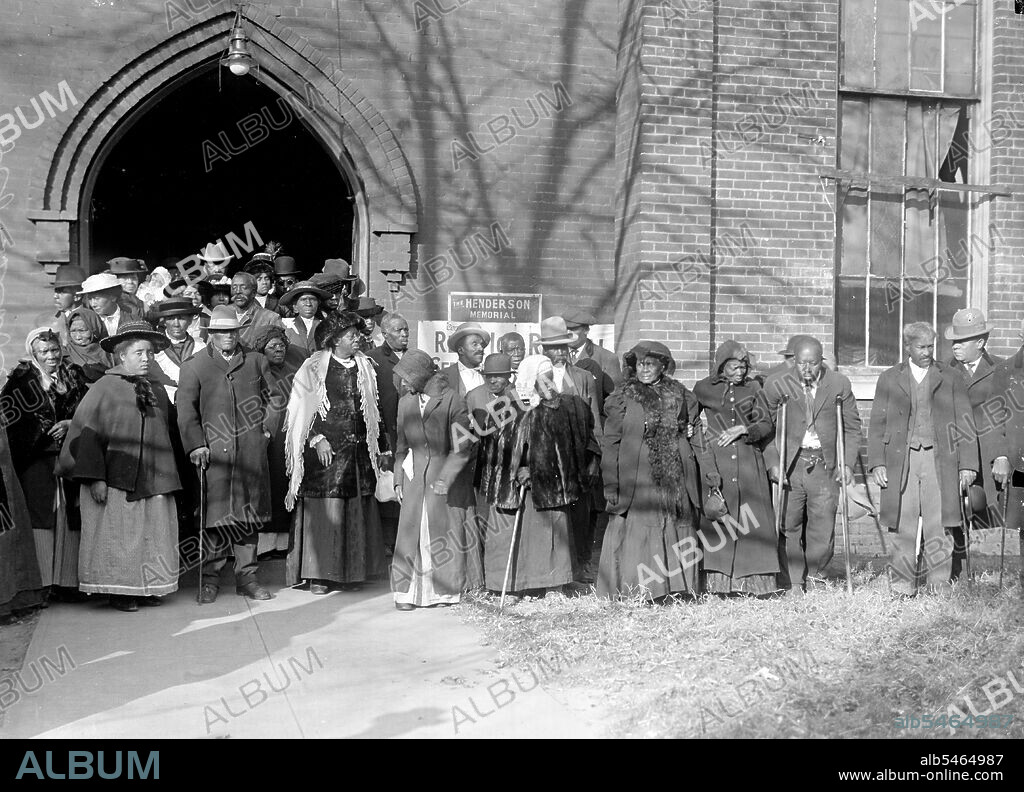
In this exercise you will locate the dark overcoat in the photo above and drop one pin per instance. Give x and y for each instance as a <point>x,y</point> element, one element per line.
<point>1006,403</point>
<point>787,382</point>
<point>222,405</point>
<point>384,358</point>
<point>112,440</point>
<point>624,441</point>
<point>436,455</point>
<point>979,388</point>
<point>889,437</point>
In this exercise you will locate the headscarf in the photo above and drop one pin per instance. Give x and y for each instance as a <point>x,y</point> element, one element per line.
<point>268,334</point>
<point>91,355</point>
<point>58,382</point>
<point>530,370</point>
<point>730,350</point>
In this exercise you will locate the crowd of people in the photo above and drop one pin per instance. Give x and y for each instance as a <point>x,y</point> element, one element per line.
<point>256,413</point>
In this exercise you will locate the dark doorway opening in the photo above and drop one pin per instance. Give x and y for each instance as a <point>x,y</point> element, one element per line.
<point>206,160</point>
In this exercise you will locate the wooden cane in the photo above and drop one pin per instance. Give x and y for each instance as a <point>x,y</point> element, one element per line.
<point>1002,543</point>
<point>965,505</point>
<point>783,466</point>
<point>874,515</point>
<point>201,471</point>
<point>917,552</point>
<point>844,505</point>
<point>512,544</point>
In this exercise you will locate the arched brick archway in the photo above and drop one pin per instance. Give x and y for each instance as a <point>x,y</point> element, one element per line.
<point>354,132</point>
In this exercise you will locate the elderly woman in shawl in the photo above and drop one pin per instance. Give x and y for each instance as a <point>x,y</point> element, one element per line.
<point>335,444</point>
<point>740,550</point>
<point>37,402</point>
<point>650,482</point>
<point>272,341</point>
<point>83,347</point>
<point>119,450</point>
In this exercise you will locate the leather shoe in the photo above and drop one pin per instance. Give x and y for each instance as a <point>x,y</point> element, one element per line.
<point>208,594</point>
<point>254,591</point>
<point>123,603</point>
<point>318,589</point>
<point>150,602</point>
<point>404,606</point>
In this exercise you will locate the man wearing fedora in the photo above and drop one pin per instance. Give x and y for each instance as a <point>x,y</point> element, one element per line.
<point>469,341</point>
<point>385,357</point>
<point>971,359</point>
<point>225,425</point>
<point>252,319</point>
<point>920,463</point>
<point>215,258</point>
<point>287,274</point>
<point>104,296</point>
<point>129,273</point>
<point>67,283</point>
<point>372,314</point>
<point>303,300</point>
<point>579,322</point>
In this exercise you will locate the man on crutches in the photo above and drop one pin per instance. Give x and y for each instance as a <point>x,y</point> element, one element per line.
<point>804,397</point>
<point>922,451</point>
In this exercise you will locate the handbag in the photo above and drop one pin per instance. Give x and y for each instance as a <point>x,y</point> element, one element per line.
<point>714,504</point>
<point>385,490</point>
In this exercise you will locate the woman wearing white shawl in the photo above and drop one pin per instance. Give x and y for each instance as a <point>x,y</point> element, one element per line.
<point>335,444</point>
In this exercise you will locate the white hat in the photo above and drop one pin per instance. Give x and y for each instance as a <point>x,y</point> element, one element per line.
<point>98,283</point>
<point>215,251</point>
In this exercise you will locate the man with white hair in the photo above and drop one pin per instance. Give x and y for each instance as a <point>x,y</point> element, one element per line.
<point>252,318</point>
<point>923,451</point>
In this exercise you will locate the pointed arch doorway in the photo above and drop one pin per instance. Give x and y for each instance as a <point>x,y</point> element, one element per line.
<point>214,156</point>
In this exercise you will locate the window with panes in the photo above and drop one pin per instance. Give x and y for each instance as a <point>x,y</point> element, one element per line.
<point>908,97</point>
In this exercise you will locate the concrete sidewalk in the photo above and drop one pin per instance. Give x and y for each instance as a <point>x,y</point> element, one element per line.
<point>344,665</point>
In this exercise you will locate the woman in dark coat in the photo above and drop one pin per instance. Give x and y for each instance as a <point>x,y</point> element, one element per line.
<point>273,343</point>
<point>83,347</point>
<point>39,399</point>
<point>119,450</point>
<point>434,554</point>
<point>650,482</point>
<point>741,550</point>
<point>335,444</point>
<point>20,585</point>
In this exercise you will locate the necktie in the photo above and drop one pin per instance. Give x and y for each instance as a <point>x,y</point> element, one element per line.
<point>573,354</point>
<point>809,405</point>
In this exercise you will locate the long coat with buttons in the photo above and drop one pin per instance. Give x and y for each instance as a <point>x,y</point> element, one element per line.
<point>741,466</point>
<point>979,388</point>
<point>222,405</point>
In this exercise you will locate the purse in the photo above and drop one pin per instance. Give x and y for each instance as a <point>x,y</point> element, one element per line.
<point>385,490</point>
<point>714,504</point>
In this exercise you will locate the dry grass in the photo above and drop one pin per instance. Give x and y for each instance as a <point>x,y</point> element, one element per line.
<point>824,665</point>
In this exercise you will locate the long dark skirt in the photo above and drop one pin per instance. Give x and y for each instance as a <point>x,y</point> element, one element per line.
<point>544,548</point>
<point>650,554</point>
<point>336,539</point>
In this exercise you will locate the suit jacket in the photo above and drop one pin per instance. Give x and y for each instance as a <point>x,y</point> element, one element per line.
<point>259,319</point>
<point>582,384</point>
<point>271,303</point>
<point>451,374</point>
<point>127,315</point>
<point>169,363</point>
<point>979,389</point>
<point>388,388</point>
<point>297,338</point>
<point>605,358</point>
<point>831,385</point>
<point>956,446</point>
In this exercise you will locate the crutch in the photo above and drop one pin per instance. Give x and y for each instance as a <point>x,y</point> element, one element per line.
<point>844,506</point>
<point>783,466</point>
<point>512,544</point>
<point>201,472</point>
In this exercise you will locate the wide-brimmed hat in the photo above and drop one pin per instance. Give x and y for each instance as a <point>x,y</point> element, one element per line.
<point>126,266</point>
<point>223,318</point>
<point>285,265</point>
<point>553,332</point>
<point>654,349</point>
<point>416,367</point>
<point>497,364</point>
<point>175,306</point>
<point>465,329</point>
<point>303,287</point>
<point>367,307</point>
<point>331,284</point>
<point>791,345</point>
<point>98,283</point>
<point>131,331</point>
<point>967,323</point>
<point>215,251</point>
<point>576,319</point>
<point>68,275</point>
<point>339,267</point>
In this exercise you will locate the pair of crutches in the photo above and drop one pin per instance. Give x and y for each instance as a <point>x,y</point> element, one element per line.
<point>840,466</point>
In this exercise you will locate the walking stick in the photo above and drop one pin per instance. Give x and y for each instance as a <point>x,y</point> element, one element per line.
<point>917,552</point>
<point>512,544</point>
<point>783,466</point>
<point>965,505</point>
<point>201,472</point>
<point>874,515</point>
<point>844,505</point>
<point>1002,543</point>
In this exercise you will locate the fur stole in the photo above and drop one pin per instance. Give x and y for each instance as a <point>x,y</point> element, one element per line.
<point>665,418</point>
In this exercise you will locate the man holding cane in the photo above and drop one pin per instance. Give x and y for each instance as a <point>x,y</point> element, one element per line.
<point>923,452</point>
<point>811,470</point>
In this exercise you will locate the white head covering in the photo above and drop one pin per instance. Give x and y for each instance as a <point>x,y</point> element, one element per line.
<point>30,339</point>
<point>530,370</point>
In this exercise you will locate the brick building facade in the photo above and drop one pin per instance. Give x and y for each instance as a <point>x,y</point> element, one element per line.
<point>688,169</point>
